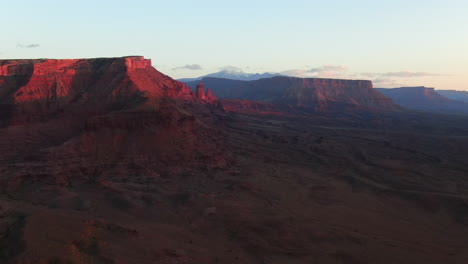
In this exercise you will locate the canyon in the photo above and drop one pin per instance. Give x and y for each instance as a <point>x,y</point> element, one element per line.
<point>108,160</point>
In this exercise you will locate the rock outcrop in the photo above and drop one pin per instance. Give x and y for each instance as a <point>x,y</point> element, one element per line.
<point>203,95</point>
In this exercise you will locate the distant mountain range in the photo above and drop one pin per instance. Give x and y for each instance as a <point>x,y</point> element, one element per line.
<point>425,99</point>
<point>233,75</point>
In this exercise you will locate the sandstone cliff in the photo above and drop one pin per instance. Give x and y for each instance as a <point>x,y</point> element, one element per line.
<point>76,78</point>
<point>75,120</point>
<point>37,88</point>
<point>318,94</point>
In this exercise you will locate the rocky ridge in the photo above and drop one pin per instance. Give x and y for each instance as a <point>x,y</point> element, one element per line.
<point>316,94</point>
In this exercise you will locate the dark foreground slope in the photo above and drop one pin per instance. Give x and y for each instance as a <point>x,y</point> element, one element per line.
<point>425,99</point>
<point>313,94</point>
<point>178,180</point>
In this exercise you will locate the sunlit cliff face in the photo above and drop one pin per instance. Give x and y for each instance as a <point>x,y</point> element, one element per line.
<point>46,79</point>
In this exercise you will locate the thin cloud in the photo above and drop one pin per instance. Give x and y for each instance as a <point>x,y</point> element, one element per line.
<point>230,68</point>
<point>325,71</point>
<point>34,45</point>
<point>330,68</point>
<point>400,74</point>
<point>369,74</point>
<point>341,71</point>
<point>385,82</point>
<point>407,74</point>
<point>380,79</point>
<point>395,79</point>
<point>296,72</point>
<point>192,67</point>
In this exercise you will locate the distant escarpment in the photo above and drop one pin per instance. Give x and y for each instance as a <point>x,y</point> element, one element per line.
<point>455,95</point>
<point>305,93</point>
<point>425,99</point>
<point>31,89</point>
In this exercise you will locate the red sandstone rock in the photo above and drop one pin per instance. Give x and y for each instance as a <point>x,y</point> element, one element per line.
<point>94,114</point>
<point>202,95</point>
<point>47,79</point>
<point>200,91</point>
<point>209,95</point>
<point>33,88</point>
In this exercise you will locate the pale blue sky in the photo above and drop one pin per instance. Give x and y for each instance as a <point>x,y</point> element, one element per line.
<point>394,42</point>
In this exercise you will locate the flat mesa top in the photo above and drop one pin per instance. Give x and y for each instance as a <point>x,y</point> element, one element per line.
<point>136,57</point>
<point>25,66</point>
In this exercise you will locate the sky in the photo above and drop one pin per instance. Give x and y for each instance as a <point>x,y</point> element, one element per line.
<point>393,43</point>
